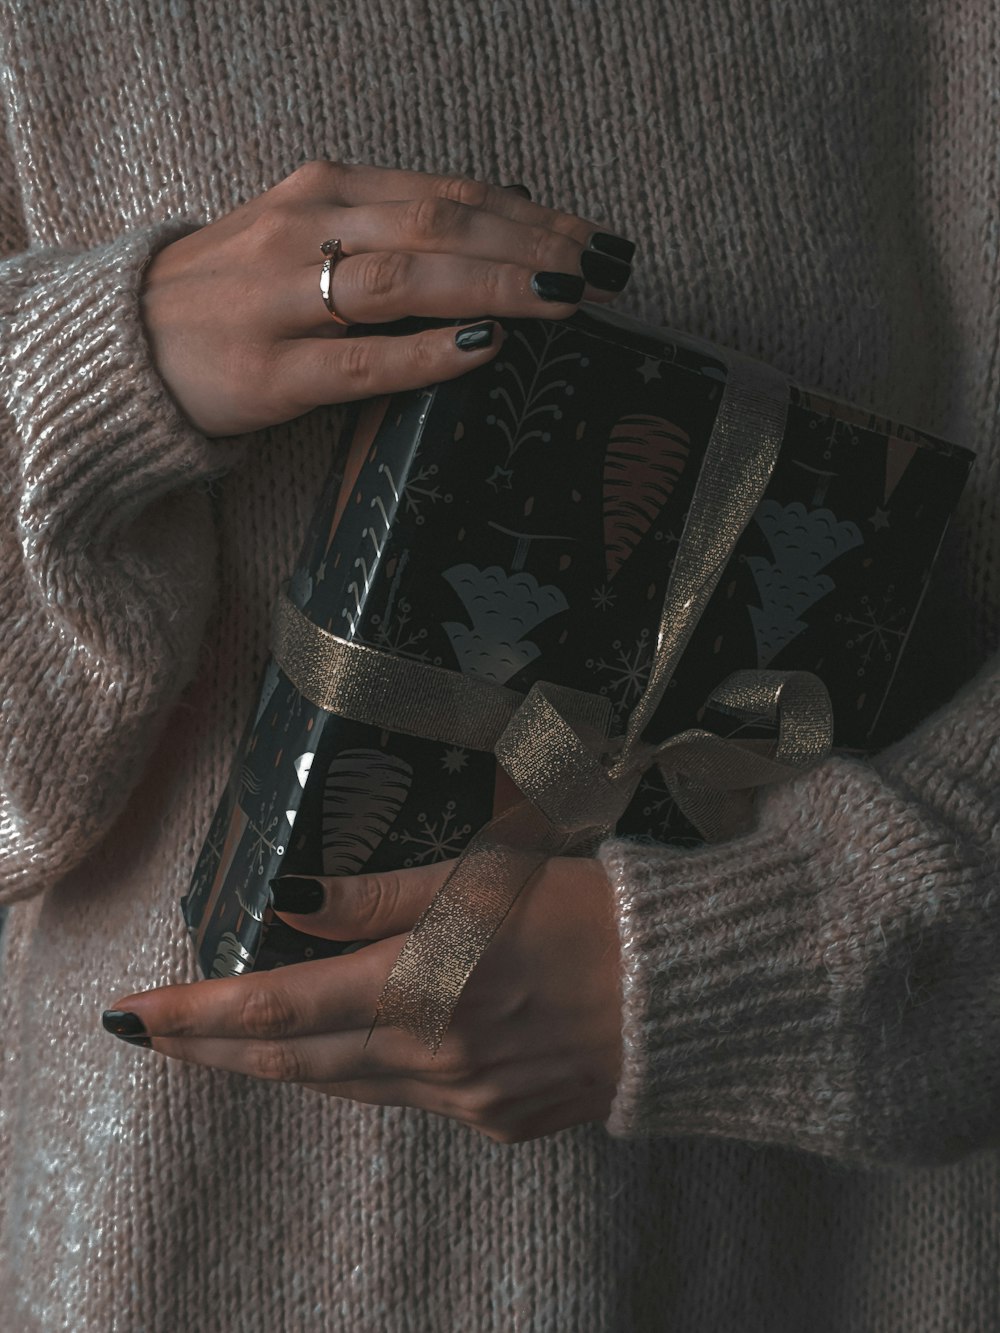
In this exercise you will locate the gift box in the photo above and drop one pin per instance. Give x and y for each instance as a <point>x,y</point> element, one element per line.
<point>520,524</point>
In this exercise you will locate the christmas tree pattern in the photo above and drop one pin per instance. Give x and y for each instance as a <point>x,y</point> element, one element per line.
<point>363,792</point>
<point>802,543</point>
<point>502,608</point>
<point>645,457</point>
<point>529,397</point>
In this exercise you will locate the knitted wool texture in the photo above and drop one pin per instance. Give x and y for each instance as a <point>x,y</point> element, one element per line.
<point>805,1130</point>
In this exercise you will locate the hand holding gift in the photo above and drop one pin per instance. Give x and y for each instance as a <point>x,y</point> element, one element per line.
<point>534,1043</point>
<point>413,243</point>
<point>452,663</point>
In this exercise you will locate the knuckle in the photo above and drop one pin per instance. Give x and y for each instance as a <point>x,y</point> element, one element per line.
<point>463,190</point>
<point>424,355</point>
<point>242,364</point>
<point>314,177</point>
<point>491,281</point>
<point>555,254</point>
<point>268,228</point>
<point>181,1025</point>
<point>481,1104</point>
<point>374,901</point>
<point>455,1063</point>
<point>355,363</point>
<point>501,1135</point>
<point>430,217</point>
<point>266,1014</point>
<point>384,272</point>
<point>510,1005</point>
<point>254,363</point>
<point>275,1061</point>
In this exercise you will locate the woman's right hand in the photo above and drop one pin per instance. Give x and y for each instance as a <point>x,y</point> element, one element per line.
<point>238,328</point>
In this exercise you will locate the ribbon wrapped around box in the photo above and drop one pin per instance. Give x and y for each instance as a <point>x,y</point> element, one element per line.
<point>575,793</point>
<point>571,777</point>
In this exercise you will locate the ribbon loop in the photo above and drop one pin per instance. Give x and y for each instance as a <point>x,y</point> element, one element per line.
<point>554,768</point>
<point>713,778</point>
<point>796,701</point>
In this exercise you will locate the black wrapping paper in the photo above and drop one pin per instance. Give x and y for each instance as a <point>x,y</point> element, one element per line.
<point>518,524</point>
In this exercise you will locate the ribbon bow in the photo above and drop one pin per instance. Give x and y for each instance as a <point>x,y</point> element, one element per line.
<point>553,742</point>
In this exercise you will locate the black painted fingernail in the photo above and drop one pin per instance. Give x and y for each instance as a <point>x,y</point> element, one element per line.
<point>471,339</point>
<point>129,1027</point>
<point>558,286</point>
<point>521,189</point>
<point>616,246</point>
<point>296,895</point>
<point>602,271</point>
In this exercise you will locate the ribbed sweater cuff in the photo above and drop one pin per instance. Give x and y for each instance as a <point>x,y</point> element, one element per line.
<point>100,434</point>
<point>827,981</point>
<point>727,1024</point>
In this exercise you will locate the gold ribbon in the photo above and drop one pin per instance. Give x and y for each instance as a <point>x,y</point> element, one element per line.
<point>553,742</point>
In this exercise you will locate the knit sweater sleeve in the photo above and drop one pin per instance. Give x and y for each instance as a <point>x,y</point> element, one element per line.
<point>829,982</point>
<point>106,543</point>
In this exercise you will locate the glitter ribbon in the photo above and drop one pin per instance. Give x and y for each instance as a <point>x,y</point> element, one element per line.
<point>553,742</point>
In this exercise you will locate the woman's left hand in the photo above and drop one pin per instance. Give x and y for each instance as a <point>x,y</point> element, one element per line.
<point>534,1044</point>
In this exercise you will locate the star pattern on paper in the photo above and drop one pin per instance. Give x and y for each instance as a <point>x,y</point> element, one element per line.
<point>880,519</point>
<point>454,759</point>
<point>500,478</point>
<point>650,369</point>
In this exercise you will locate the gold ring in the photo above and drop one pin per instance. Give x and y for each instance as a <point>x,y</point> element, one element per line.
<point>333,251</point>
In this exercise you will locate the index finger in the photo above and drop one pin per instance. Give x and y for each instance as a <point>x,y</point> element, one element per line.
<point>301,999</point>
<point>359,183</point>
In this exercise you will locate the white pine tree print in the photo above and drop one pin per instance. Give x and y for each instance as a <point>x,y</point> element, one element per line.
<point>803,544</point>
<point>502,609</point>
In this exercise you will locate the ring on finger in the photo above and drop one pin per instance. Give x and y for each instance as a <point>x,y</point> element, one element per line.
<point>334,252</point>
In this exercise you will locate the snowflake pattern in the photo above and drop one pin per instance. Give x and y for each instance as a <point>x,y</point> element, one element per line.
<point>604,597</point>
<point>265,844</point>
<point>873,631</point>
<point>454,759</point>
<point>214,844</point>
<point>434,841</point>
<point>627,674</point>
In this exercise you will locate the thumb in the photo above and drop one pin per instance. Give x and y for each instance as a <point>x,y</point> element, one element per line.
<point>356,907</point>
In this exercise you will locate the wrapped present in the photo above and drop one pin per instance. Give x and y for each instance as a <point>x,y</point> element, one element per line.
<point>613,580</point>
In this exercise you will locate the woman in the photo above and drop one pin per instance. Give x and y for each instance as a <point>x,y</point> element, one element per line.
<point>726,1115</point>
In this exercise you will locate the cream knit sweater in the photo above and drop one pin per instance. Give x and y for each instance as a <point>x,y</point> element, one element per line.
<point>805,1135</point>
